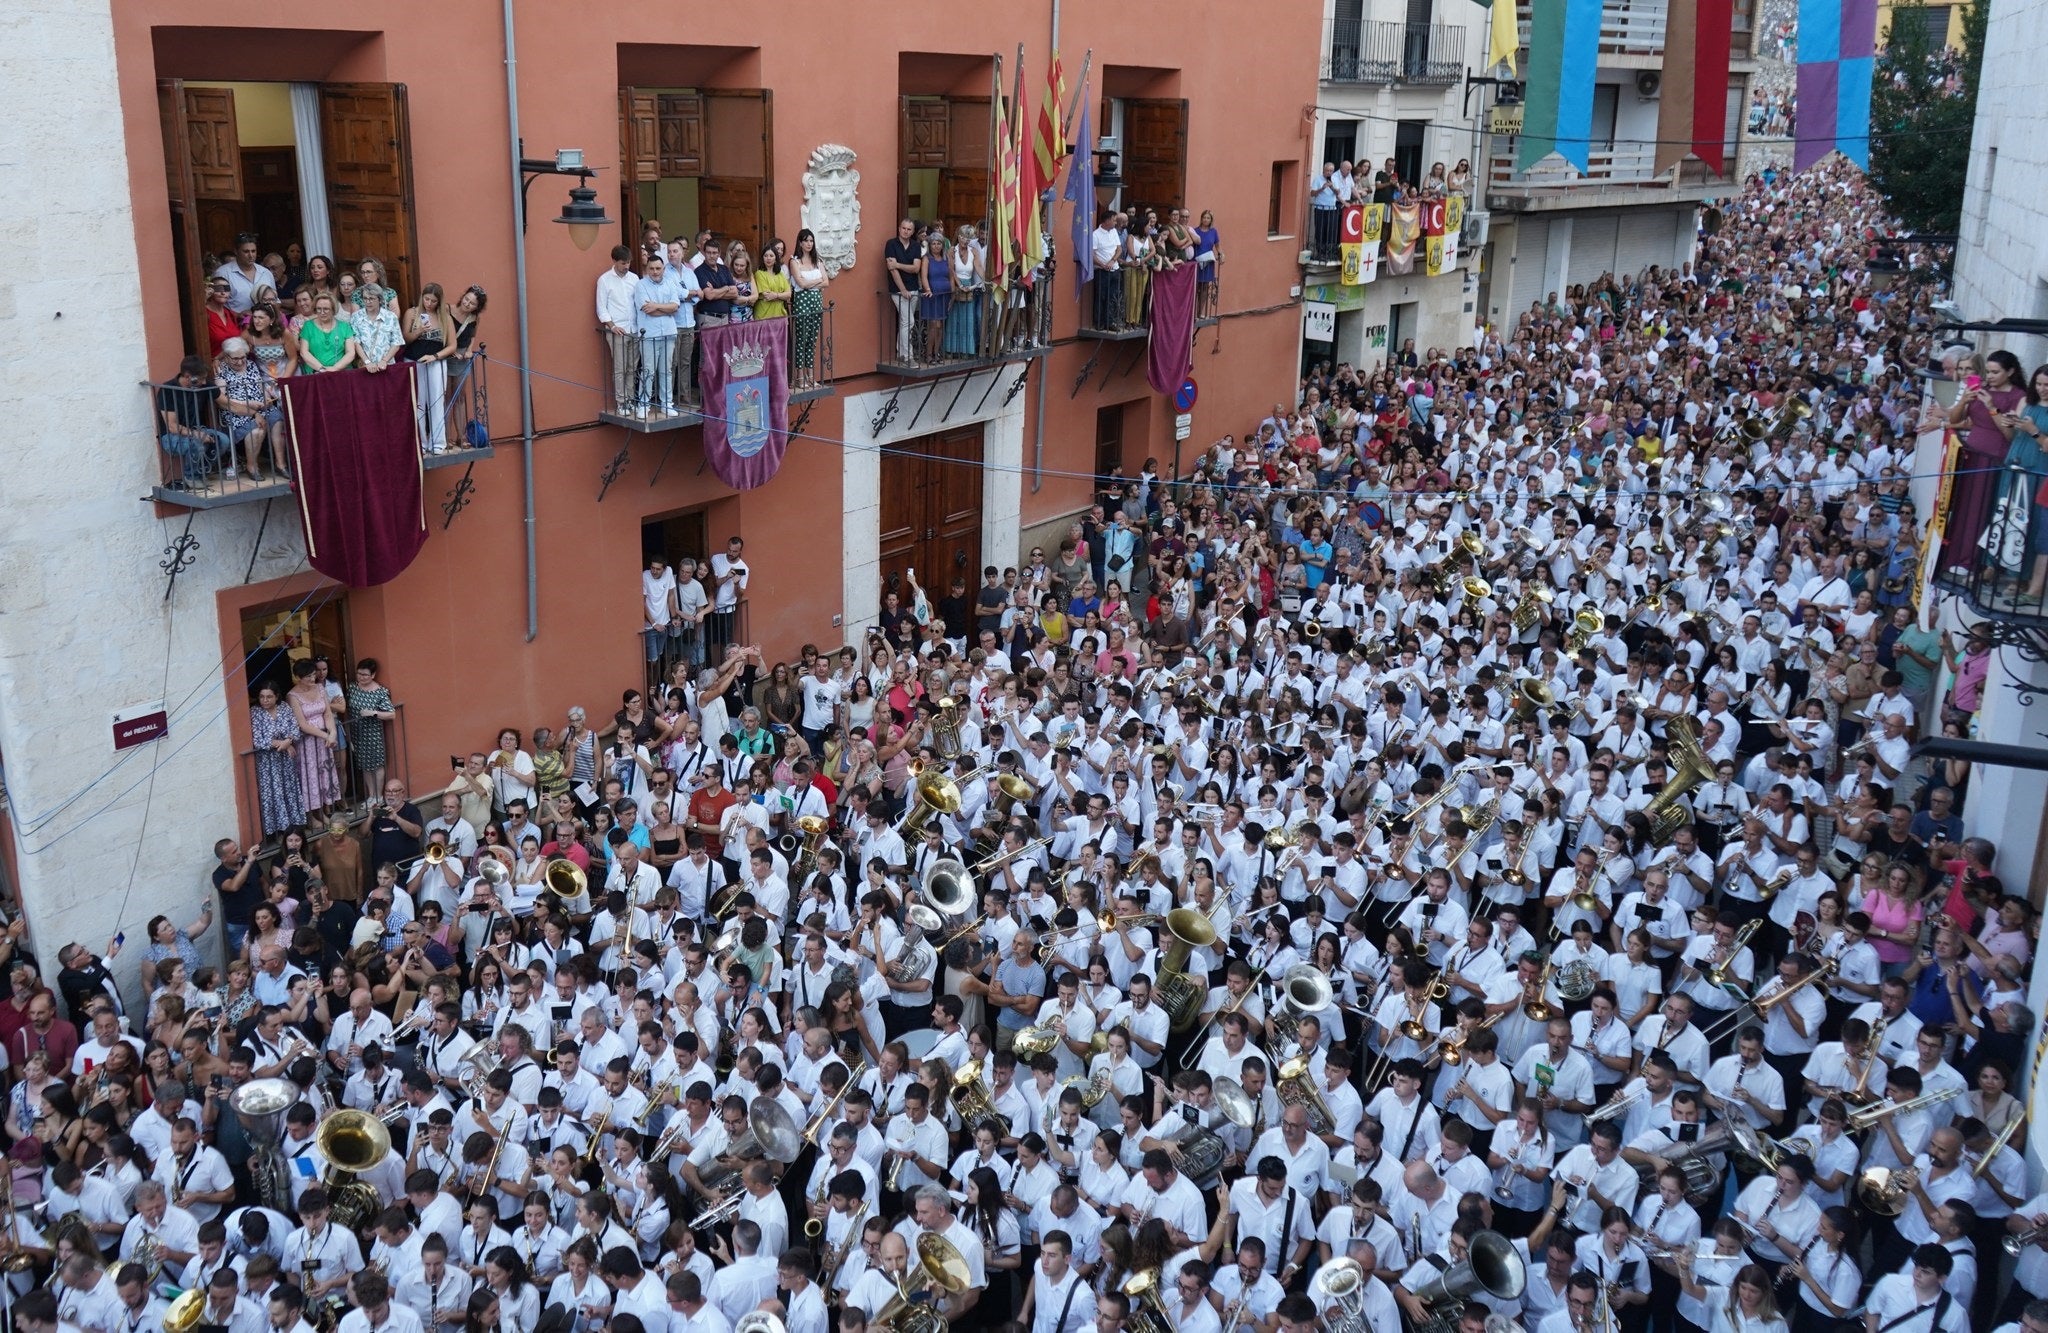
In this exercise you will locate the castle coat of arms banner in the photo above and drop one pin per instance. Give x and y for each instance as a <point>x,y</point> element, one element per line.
<point>744,375</point>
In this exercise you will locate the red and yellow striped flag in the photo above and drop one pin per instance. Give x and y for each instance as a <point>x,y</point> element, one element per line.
<point>1002,240</point>
<point>1042,165</point>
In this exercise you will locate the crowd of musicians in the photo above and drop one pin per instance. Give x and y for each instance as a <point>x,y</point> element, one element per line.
<point>1488,888</point>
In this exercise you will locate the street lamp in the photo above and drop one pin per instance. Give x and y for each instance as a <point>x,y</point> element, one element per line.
<point>582,215</point>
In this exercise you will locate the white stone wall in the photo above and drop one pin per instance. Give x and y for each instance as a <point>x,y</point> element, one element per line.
<point>1002,495</point>
<point>2002,272</point>
<point>84,627</point>
<point>2002,262</point>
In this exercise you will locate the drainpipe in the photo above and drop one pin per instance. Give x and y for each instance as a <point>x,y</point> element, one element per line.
<point>1038,393</point>
<point>525,343</point>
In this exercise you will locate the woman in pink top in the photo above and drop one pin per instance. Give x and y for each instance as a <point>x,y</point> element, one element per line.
<point>1894,920</point>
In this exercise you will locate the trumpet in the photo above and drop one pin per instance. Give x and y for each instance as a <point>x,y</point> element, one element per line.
<point>1617,1107</point>
<point>983,866</point>
<point>2016,1242</point>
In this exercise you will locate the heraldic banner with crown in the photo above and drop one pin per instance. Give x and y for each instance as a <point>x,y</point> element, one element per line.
<point>744,372</point>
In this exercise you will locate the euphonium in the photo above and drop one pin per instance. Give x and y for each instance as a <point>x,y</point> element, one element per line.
<point>1294,1083</point>
<point>972,1099</point>
<point>1178,992</point>
<point>563,882</point>
<point>353,1142</point>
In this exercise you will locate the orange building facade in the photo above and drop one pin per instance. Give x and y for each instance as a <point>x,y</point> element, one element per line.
<point>687,119</point>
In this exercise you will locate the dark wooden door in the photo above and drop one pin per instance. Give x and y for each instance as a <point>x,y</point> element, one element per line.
<point>367,137</point>
<point>927,132</point>
<point>270,178</point>
<point>1155,153</point>
<point>963,198</point>
<point>931,509</point>
<point>732,210</point>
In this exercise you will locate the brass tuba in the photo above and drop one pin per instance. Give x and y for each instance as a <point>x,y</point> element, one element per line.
<point>1295,1085</point>
<point>1691,768</point>
<point>1304,990</point>
<point>938,1266</point>
<point>562,883</point>
<point>1490,1264</point>
<point>1180,993</point>
<point>353,1142</point>
<point>971,1099</point>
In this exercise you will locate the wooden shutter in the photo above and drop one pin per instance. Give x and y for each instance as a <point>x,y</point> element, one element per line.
<point>216,154</point>
<point>736,194</point>
<point>639,135</point>
<point>368,142</point>
<point>681,134</point>
<point>186,252</point>
<point>927,132</point>
<point>1155,152</point>
<point>963,198</point>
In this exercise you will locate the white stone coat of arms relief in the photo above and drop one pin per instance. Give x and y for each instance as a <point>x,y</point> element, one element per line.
<point>831,207</point>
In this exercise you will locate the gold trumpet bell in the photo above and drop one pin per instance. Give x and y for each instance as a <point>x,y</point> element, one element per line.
<point>1477,589</point>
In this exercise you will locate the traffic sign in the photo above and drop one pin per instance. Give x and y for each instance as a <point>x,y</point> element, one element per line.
<point>1184,397</point>
<point>1183,426</point>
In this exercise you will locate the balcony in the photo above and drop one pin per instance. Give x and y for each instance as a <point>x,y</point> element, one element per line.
<point>1635,28</point>
<point>1615,175</point>
<point>207,474</point>
<point>1384,51</point>
<point>1994,543</point>
<point>932,338</point>
<point>815,374</point>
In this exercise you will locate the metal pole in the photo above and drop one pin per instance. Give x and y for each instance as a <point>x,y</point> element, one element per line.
<point>525,343</point>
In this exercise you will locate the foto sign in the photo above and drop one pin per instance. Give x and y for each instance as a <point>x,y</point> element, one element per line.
<point>1319,321</point>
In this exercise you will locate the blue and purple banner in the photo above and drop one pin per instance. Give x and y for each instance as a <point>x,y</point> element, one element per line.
<point>1837,57</point>
<point>743,371</point>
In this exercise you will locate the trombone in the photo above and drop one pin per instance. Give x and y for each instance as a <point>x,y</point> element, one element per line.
<point>986,864</point>
<point>1765,1000</point>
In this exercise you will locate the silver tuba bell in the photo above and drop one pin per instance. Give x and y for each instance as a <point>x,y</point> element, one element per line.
<point>260,1106</point>
<point>1490,1265</point>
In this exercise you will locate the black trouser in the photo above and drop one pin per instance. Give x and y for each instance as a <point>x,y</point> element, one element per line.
<point>1663,1301</point>
<point>898,1019</point>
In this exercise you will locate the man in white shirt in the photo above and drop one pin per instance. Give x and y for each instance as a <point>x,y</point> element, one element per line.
<point>375,1311</point>
<point>1058,1299</point>
<point>742,1284</point>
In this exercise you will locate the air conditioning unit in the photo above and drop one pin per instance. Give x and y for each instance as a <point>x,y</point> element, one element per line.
<point>1647,83</point>
<point>1473,232</point>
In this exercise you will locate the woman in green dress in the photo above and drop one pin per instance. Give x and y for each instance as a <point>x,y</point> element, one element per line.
<point>325,342</point>
<point>369,710</point>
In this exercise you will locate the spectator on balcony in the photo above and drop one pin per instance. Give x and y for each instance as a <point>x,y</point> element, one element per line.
<point>1322,199</point>
<point>301,314</point>
<point>745,296</point>
<point>248,407</point>
<point>964,315</point>
<point>686,325</point>
<point>1346,182</point>
<point>268,342</point>
<point>428,346</point>
<point>771,282</point>
<point>345,291</point>
<point>274,735</point>
<point>616,320</point>
<point>378,337</point>
<point>1433,186</point>
<point>1983,411</point>
<point>326,342</point>
<point>222,323</point>
<point>294,274</point>
<point>715,301</point>
<point>1460,180</point>
<point>808,280</point>
<point>2027,465</point>
<point>185,412</point>
<point>319,275</point>
<point>370,273</point>
<point>1106,244</point>
<point>244,274</point>
<point>656,299</point>
<point>469,309</point>
<point>935,297</point>
<point>1141,247</point>
<point>1208,260</point>
<point>903,262</point>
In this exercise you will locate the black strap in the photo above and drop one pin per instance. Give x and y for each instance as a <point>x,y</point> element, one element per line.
<point>1940,1308</point>
<point>1073,1286</point>
<point>1286,1230</point>
<point>1409,1137</point>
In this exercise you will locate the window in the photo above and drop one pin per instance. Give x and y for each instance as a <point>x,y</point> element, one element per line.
<point>1109,440</point>
<point>1408,148</point>
<point>1278,195</point>
<point>1936,17</point>
<point>1340,141</point>
<point>1606,104</point>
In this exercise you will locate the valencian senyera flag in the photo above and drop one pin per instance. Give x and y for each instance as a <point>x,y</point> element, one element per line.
<point>1557,110</point>
<point>1692,108</point>
<point>1837,50</point>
